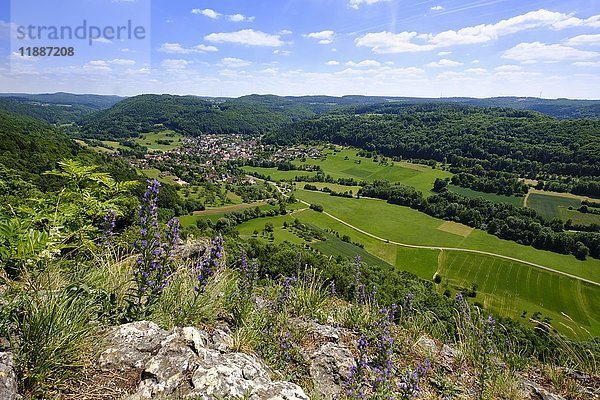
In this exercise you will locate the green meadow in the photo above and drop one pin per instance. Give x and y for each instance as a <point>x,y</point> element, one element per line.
<point>151,140</point>
<point>496,198</point>
<point>549,206</point>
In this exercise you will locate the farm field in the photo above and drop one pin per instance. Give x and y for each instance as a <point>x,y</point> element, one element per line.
<point>154,173</point>
<point>507,287</point>
<point>150,140</point>
<point>579,218</point>
<point>405,225</point>
<point>275,174</point>
<point>549,206</point>
<point>346,164</point>
<point>496,198</point>
<point>213,214</point>
<point>511,288</point>
<point>333,186</point>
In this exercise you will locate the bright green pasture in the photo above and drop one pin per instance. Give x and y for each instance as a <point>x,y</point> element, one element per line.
<point>405,225</point>
<point>154,173</point>
<point>149,140</point>
<point>579,218</point>
<point>333,186</point>
<point>275,174</point>
<point>496,198</point>
<point>548,206</point>
<point>420,177</point>
<point>510,288</point>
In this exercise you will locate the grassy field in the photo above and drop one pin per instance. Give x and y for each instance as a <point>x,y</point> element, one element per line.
<point>496,198</point>
<point>579,218</point>
<point>512,288</point>
<point>405,225</point>
<point>154,173</point>
<point>506,287</point>
<point>346,164</point>
<point>549,206</point>
<point>150,140</point>
<point>333,186</point>
<point>275,174</point>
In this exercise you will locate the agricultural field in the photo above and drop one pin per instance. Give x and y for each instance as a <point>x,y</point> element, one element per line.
<point>405,225</point>
<point>508,287</point>
<point>549,206</point>
<point>346,164</point>
<point>154,173</point>
<point>518,291</point>
<point>578,217</point>
<point>496,198</point>
<point>275,174</point>
<point>151,141</point>
<point>333,186</point>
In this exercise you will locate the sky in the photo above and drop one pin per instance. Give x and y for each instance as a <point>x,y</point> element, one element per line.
<point>437,48</point>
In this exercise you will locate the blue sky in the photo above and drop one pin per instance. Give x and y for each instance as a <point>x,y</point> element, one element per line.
<point>431,48</point>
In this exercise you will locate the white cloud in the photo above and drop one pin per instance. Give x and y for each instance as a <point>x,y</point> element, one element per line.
<point>444,53</point>
<point>584,40</point>
<point>175,64</point>
<point>207,12</point>
<point>586,64</point>
<point>537,51</point>
<point>324,37</point>
<point>97,65</point>
<point>475,62</point>
<point>355,4</point>
<point>282,52</point>
<point>285,32</point>
<point>476,71</point>
<point>240,18</point>
<point>121,61</point>
<point>233,62</point>
<point>364,63</point>
<point>176,48</point>
<point>508,68</point>
<point>444,62</point>
<point>332,62</point>
<point>436,8</point>
<point>387,42</point>
<point>248,37</point>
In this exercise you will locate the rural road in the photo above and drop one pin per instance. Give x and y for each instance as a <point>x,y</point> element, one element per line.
<point>414,246</point>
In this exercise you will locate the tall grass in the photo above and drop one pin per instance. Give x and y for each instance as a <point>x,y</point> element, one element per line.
<point>55,331</point>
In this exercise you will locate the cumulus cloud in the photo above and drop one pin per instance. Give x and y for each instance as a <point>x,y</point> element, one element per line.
<point>444,62</point>
<point>207,12</point>
<point>282,52</point>
<point>176,48</point>
<point>240,18</point>
<point>332,62</point>
<point>247,37</point>
<point>584,40</point>
<point>364,63</point>
<point>175,64</point>
<point>388,42</point>
<point>537,51</point>
<point>436,8</point>
<point>233,62</point>
<point>324,37</point>
<point>586,64</point>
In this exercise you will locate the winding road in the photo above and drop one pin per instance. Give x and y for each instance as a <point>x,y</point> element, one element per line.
<point>414,246</point>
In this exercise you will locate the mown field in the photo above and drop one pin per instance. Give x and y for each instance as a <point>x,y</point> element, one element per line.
<point>549,206</point>
<point>346,164</point>
<point>519,291</point>
<point>507,287</point>
<point>496,198</point>
<point>405,225</point>
<point>150,140</point>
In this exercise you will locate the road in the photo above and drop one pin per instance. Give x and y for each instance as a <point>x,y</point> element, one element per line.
<point>414,246</point>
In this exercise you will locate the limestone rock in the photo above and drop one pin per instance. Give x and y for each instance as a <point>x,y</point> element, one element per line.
<point>131,345</point>
<point>330,367</point>
<point>8,377</point>
<point>537,392</point>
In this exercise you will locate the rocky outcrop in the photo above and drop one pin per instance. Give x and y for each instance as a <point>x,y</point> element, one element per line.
<point>190,362</point>
<point>535,391</point>
<point>8,377</point>
<point>330,360</point>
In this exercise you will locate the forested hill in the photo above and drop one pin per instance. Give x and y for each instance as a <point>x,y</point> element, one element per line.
<point>500,139</point>
<point>193,115</point>
<point>92,101</point>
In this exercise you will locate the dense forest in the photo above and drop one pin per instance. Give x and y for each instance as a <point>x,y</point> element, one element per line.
<point>192,116</point>
<point>512,141</point>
